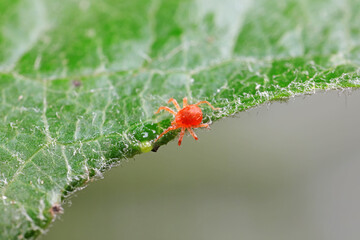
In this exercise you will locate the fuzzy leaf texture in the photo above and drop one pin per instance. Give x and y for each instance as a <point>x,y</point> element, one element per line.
<point>80,80</point>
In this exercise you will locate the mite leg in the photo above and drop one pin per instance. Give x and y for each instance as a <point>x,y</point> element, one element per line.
<point>166,109</point>
<point>175,103</point>
<point>204,125</point>
<point>165,132</point>
<point>185,103</point>
<point>192,133</point>
<point>201,102</point>
<point>181,135</point>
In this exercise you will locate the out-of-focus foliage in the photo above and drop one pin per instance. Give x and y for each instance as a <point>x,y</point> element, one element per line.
<point>81,79</point>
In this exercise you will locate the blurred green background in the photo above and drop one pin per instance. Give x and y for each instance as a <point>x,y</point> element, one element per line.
<point>280,171</point>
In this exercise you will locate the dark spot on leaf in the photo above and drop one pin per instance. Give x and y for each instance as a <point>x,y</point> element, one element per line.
<point>76,83</point>
<point>155,148</point>
<point>56,209</point>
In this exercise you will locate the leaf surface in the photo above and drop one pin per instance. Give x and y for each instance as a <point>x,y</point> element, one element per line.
<point>80,80</point>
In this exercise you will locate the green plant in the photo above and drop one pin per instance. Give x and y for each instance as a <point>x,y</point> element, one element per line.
<point>80,80</point>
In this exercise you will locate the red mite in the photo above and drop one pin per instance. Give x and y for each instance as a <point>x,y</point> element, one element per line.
<point>188,117</point>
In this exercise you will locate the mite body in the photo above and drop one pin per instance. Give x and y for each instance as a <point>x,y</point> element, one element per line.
<point>186,118</point>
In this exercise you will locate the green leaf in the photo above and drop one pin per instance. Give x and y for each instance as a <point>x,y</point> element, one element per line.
<point>80,80</point>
